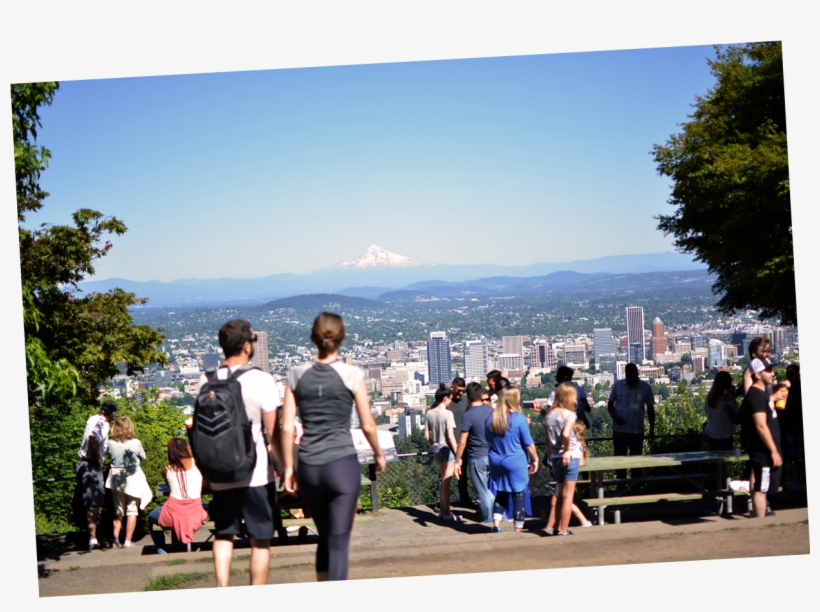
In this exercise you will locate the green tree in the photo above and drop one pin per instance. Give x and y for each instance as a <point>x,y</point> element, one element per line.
<point>730,173</point>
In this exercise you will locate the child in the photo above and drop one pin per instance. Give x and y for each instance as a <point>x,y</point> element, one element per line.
<point>579,429</point>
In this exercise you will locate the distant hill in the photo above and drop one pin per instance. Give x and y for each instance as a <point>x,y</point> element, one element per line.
<point>318,302</point>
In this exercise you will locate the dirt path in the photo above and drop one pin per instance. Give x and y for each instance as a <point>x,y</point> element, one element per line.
<point>483,553</point>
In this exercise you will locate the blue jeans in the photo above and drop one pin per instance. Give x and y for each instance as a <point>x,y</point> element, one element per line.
<point>633,442</point>
<point>480,474</point>
<point>157,535</point>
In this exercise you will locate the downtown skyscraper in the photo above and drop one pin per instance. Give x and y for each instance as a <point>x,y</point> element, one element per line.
<point>634,332</point>
<point>476,360</point>
<point>438,359</point>
<point>604,343</point>
<point>261,354</point>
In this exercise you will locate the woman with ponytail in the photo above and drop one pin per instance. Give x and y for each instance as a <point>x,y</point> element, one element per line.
<point>509,437</point>
<point>438,431</point>
<point>328,476</point>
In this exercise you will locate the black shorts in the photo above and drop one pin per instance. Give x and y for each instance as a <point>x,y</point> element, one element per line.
<point>252,504</point>
<point>90,483</point>
<point>767,478</point>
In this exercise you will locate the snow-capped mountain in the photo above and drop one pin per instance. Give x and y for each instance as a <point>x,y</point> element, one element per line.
<point>376,256</point>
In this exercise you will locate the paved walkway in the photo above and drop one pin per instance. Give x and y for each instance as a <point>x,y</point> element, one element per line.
<point>412,542</point>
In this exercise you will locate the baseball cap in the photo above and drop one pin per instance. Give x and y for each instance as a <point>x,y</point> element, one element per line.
<point>758,365</point>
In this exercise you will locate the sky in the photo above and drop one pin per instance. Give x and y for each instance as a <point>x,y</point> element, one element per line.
<point>540,158</point>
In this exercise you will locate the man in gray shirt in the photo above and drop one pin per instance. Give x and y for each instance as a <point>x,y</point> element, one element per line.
<point>629,400</point>
<point>458,407</point>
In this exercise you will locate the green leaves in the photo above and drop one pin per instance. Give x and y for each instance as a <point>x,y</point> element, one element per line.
<point>729,167</point>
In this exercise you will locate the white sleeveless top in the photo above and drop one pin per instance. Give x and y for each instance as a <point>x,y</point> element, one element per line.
<point>192,479</point>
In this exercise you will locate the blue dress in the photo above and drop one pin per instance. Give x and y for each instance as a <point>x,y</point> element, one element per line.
<point>508,459</point>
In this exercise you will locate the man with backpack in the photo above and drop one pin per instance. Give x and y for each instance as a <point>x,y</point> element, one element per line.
<point>232,425</point>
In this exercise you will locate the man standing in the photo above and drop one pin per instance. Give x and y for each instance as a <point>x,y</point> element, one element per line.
<point>763,429</point>
<point>89,466</point>
<point>473,444</point>
<point>564,374</point>
<point>791,427</point>
<point>629,400</point>
<point>458,407</point>
<point>247,499</point>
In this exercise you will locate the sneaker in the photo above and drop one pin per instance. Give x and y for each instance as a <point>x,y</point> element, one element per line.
<point>161,551</point>
<point>437,509</point>
<point>116,544</point>
<point>495,529</point>
<point>93,544</point>
<point>126,544</point>
<point>587,524</point>
<point>558,533</point>
<point>450,517</point>
<point>770,512</point>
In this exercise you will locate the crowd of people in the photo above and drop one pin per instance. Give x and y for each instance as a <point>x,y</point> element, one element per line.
<point>477,434</point>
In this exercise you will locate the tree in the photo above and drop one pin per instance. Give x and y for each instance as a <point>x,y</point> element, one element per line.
<point>730,173</point>
<point>73,341</point>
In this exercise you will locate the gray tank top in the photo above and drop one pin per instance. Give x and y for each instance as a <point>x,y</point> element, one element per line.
<point>324,397</point>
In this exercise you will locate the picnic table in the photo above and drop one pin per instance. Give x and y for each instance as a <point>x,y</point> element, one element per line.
<point>721,461</point>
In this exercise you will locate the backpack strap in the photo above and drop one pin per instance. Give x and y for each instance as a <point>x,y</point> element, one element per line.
<point>242,369</point>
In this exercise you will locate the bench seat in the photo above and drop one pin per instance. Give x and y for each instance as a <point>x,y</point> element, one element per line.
<point>641,499</point>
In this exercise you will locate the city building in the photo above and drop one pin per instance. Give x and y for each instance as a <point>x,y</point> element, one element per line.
<point>717,353</point>
<point>438,359</point>
<point>698,363</point>
<point>575,356</point>
<point>636,353</point>
<point>697,341</point>
<point>261,354</point>
<point>406,424</point>
<point>512,345</point>
<point>603,342</point>
<point>476,360</point>
<point>620,370</point>
<point>542,356</point>
<point>658,342</point>
<point>609,362</point>
<point>210,361</point>
<point>509,362</point>
<point>777,337</point>
<point>634,330</point>
<point>651,371</point>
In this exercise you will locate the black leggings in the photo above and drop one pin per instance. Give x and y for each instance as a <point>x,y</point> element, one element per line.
<point>519,509</point>
<point>330,492</point>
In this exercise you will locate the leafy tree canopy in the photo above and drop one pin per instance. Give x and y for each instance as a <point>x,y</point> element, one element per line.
<point>73,341</point>
<point>730,173</point>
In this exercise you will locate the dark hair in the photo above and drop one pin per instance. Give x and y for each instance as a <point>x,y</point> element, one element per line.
<point>720,386</point>
<point>442,392</point>
<point>474,392</point>
<point>178,450</point>
<point>755,344</point>
<point>494,374</point>
<point>631,368</point>
<point>564,373</point>
<point>792,369</point>
<point>233,335</point>
<point>109,407</point>
<point>328,333</point>
<point>458,382</point>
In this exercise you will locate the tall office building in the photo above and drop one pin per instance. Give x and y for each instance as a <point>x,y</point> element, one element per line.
<point>659,344</point>
<point>210,361</point>
<point>438,359</point>
<point>634,330</point>
<point>778,339</point>
<point>697,341</point>
<point>476,359</point>
<point>717,353</point>
<point>636,353</point>
<point>512,345</point>
<point>609,363</point>
<point>575,355</point>
<point>510,362</point>
<point>543,356</point>
<point>604,343</point>
<point>261,354</point>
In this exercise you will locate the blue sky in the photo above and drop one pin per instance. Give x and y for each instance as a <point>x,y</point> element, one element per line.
<point>508,161</point>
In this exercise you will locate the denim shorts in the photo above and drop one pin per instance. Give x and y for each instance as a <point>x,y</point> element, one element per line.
<point>568,473</point>
<point>444,454</point>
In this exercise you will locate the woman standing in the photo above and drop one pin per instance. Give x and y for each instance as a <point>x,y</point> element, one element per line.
<point>329,476</point>
<point>128,485</point>
<point>721,413</point>
<point>438,431</point>
<point>508,436</point>
<point>183,512</point>
<point>565,452</point>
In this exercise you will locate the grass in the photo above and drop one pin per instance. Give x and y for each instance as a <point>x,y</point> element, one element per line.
<point>677,533</point>
<point>174,581</point>
<point>204,560</point>
<point>731,529</point>
<point>239,572</point>
<point>242,557</point>
<point>73,568</point>
<point>176,562</point>
<point>291,565</point>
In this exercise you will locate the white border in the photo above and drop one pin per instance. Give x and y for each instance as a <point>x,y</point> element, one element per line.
<point>74,40</point>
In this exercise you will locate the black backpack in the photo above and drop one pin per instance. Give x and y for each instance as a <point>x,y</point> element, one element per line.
<point>221,439</point>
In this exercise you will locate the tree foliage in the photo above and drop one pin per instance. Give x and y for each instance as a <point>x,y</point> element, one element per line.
<point>73,341</point>
<point>730,173</point>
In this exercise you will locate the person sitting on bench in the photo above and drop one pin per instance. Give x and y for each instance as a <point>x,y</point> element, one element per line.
<point>183,512</point>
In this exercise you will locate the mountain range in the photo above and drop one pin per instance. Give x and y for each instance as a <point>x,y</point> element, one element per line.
<point>378,272</point>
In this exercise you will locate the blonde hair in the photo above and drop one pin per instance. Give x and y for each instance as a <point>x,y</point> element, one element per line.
<point>566,396</point>
<point>508,402</point>
<point>580,435</point>
<point>123,429</point>
<point>328,333</point>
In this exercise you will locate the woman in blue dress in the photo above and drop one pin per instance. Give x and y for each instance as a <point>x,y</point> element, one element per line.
<point>509,437</point>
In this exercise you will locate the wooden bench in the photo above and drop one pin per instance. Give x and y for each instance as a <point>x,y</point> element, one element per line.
<point>602,502</point>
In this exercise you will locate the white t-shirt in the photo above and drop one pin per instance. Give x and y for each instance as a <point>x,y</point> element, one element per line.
<point>260,394</point>
<point>96,425</point>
